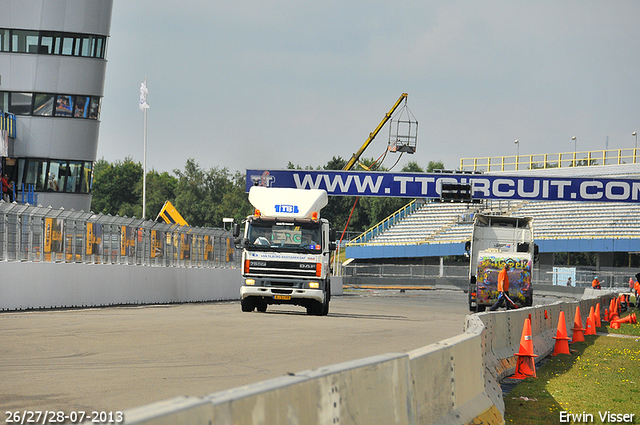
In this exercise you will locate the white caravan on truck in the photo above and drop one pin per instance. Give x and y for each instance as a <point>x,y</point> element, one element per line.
<point>286,250</point>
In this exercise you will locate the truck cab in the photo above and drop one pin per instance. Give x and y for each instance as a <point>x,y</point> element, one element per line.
<point>286,249</point>
<point>496,241</point>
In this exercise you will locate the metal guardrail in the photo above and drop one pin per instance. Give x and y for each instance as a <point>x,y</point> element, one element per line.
<point>551,160</point>
<point>29,233</point>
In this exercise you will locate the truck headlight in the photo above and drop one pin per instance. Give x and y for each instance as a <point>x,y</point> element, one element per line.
<point>250,282</point>
<point>314,285</point>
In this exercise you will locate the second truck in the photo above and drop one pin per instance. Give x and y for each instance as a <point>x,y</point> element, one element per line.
<point>496,241</point>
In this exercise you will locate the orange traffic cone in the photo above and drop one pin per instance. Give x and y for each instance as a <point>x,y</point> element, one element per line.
<point>612,307</point>
<point>606,315</point>
<point>626,319</point>
<point>615,325</point>
<point>597,314</point>
<point>634,319</point>
<point>591,325</point>
<point>613,312</point>
<point>578,330</point>
<point>525,367</point>
<point>562,340</point>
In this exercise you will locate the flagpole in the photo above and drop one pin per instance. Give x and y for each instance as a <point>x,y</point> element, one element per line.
<point>144,163</point>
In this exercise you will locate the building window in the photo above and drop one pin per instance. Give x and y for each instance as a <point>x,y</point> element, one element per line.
<point>20,103</point>
<point>4,101</point>
<point>4,40</point>
<point>54,175</point>
<point>24,41</point>
<point>52,43</point>
<point>81,108</point>
<point>43,105</point>
<point>47,44</point>
<point>64,105</point>
<point>51,105</point>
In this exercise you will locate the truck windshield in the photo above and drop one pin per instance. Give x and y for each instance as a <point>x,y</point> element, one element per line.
<point>280,236</point>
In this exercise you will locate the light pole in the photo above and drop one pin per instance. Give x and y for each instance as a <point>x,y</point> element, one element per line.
<point>517,152</point>
<point>635,148</point>
<point>575,149</point>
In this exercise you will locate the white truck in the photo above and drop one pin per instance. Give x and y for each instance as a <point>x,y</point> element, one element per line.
<point>497,240</point>
<point>286,249</point>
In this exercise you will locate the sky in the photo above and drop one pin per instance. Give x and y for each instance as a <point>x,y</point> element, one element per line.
<point>250,84</point>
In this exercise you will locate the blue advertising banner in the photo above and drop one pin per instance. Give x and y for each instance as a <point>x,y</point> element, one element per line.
<point>421,185</point>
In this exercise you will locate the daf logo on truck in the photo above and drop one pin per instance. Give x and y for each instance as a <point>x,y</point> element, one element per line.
<point>286,250</point>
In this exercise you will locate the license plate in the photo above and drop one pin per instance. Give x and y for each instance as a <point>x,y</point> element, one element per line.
<point>282,297</point>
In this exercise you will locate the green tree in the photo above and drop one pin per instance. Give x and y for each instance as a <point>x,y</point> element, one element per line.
<point>435,165</point>
<point>412,167</point>
<point>161,187</point>
<point>117,188</point>
<point>204,198</point>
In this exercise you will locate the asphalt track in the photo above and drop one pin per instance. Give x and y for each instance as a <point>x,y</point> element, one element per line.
<point>112,359</point>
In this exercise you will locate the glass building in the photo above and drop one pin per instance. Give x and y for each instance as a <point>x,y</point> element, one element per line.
<point>52,71</point>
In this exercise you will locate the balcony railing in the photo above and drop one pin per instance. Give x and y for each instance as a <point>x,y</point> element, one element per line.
<point>8,123</point>
<point>551,160</point>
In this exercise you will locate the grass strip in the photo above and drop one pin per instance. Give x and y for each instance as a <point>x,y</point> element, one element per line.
<point>598,383</point>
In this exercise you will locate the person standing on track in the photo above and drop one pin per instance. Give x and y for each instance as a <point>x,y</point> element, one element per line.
<point>503,289</point>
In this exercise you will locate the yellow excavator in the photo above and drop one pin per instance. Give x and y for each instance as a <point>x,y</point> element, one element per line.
<point>170,215</point>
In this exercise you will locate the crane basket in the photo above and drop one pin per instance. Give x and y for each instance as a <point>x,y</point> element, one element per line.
<point>403,131</point>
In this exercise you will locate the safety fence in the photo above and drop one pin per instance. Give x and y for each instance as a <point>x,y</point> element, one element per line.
<point>37,234</point>
<point>582,276</point>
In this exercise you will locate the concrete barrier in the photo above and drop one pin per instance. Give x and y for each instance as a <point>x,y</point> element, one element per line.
<point>367,391</point>
<point>27,285</point>
<point>455,381</point>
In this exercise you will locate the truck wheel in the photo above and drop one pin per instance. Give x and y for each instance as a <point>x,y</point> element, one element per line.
<point>327,298</point>
<point>325,308</point>
<point>315,308</point>
<point>247,304</point>
<point>261,306</point>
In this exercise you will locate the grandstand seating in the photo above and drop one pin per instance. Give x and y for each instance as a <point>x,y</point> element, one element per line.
<point>437,222</point>
<point>423,224</point>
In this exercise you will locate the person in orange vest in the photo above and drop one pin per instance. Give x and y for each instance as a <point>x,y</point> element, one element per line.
<point>503,289</point>
<point>596,283</point>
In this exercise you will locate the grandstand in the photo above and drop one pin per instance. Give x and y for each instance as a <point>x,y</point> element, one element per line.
<point>436,229</point>
<point>437,222</point>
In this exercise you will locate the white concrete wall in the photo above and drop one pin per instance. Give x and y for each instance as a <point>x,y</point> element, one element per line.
<point>27,285</point>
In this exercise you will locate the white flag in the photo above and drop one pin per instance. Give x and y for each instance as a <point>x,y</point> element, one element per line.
<point>143,97</point>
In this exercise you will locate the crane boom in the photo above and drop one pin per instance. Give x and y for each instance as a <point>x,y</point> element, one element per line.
<point>356,156</point>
